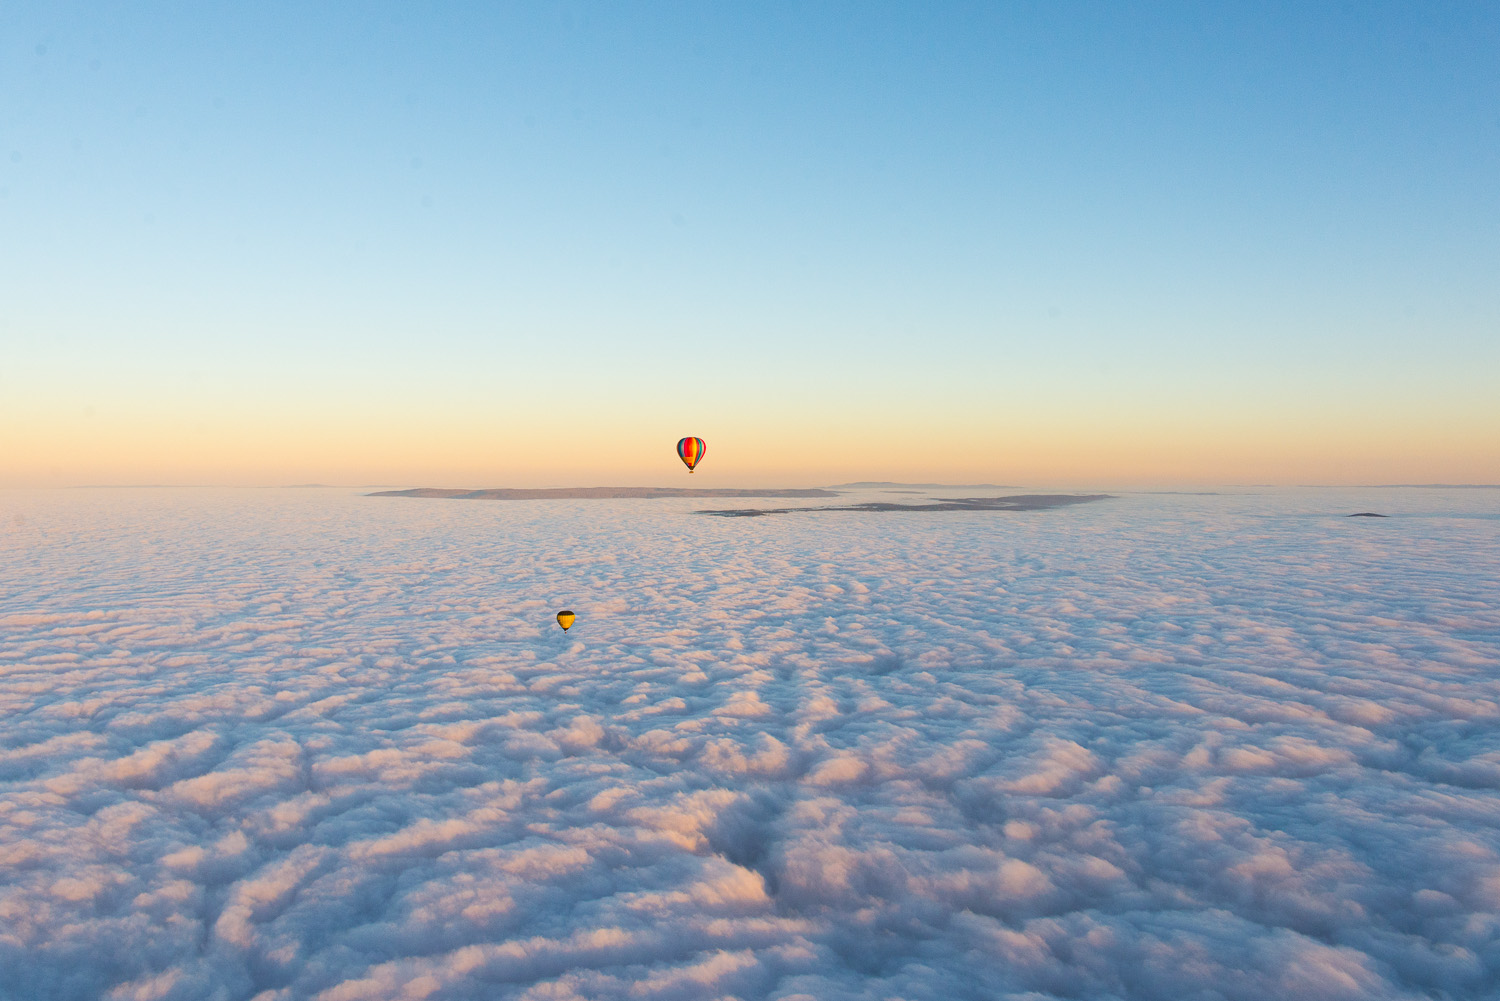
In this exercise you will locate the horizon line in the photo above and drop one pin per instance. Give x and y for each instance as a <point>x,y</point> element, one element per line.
<point>851,485</point>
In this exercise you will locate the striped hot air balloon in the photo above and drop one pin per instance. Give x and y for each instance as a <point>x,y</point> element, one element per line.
<point>690,451</point>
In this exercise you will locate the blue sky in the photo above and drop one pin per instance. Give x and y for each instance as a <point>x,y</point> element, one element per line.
<point>1239,217</point>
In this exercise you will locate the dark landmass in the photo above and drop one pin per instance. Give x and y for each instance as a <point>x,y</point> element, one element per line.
<point>597,493</point>
<point>1020,502</point>
<point>1367,514</point>
<point>878,484</point>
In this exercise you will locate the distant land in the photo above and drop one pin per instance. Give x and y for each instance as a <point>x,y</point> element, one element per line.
<point>879,484</point>
<point>1020,502</point>
<point>597,493</point>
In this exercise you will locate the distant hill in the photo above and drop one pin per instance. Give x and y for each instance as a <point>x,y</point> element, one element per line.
<point>597,493</point>
<point>1023,502</point>
<point>878,484</point>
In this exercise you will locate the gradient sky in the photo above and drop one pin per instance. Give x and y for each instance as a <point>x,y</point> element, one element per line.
<point>535,244</point>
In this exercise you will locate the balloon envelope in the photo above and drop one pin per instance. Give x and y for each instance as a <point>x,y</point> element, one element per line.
<point>565,619</point>
<point>690,451</point>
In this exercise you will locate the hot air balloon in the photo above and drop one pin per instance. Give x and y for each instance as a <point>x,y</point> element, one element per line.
<point>690,451</point>
<point>565,619</point>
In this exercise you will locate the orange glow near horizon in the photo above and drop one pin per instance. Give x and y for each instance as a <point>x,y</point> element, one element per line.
<point>455,449</point>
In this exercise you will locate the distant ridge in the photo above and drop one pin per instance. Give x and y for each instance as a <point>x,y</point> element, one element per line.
<point>596,493</point>
<point>1023,502</point>
<point>875,484</point>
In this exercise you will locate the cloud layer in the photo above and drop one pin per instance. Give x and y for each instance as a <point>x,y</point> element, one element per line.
<point>302,744</point>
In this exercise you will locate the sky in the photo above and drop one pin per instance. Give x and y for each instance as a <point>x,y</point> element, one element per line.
<point>288,744</point>
<point>535,244</point>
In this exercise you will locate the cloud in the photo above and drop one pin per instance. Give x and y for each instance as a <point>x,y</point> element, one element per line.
<point>280,745</point>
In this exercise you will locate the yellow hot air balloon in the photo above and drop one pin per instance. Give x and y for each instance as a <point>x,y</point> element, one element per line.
<point>565,619</point>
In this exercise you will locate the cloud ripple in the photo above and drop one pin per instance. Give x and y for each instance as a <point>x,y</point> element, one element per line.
<point>304,744</point>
